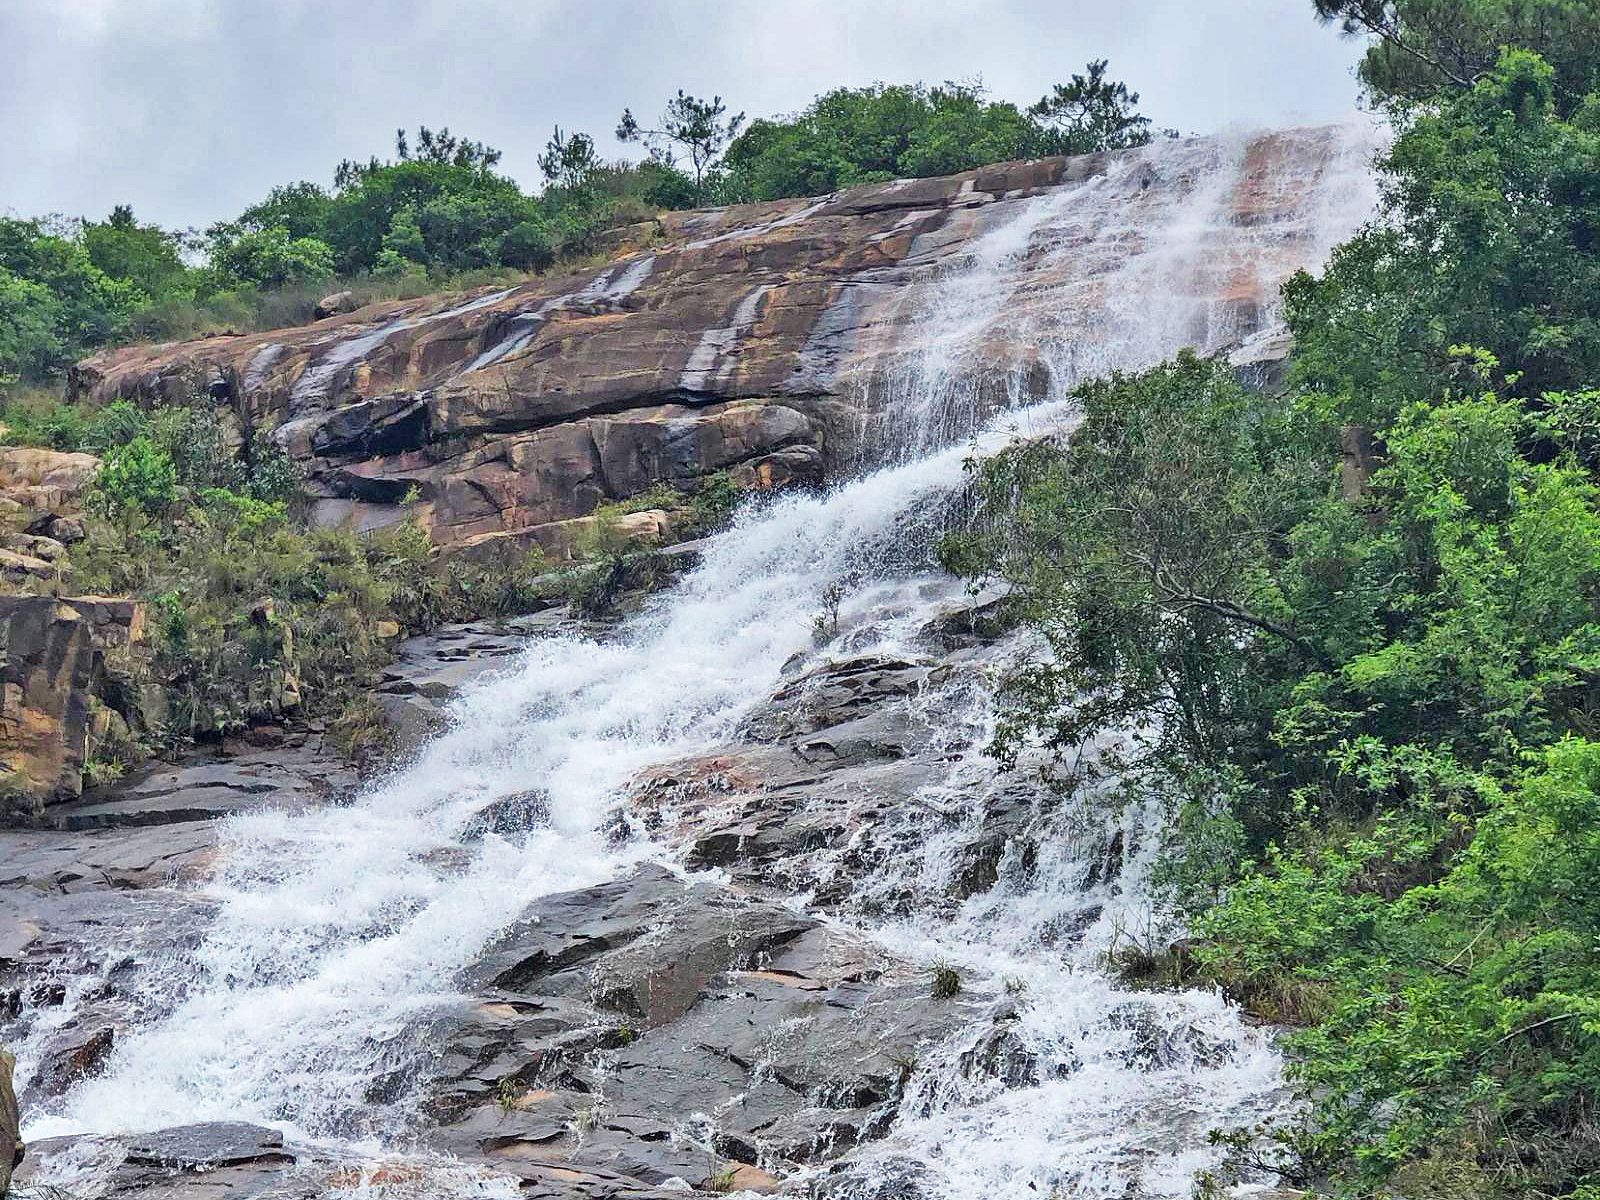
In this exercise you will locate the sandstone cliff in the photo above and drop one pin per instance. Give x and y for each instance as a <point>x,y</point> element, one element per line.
<point>742,339</point>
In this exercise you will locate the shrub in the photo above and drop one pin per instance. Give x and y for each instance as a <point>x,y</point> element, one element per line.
<point>138,477</point>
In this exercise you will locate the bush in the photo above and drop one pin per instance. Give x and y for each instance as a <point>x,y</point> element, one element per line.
<point>138,477</point>
<point>945,981</point>
<point>528,245</point>
<point>1369,716</point>
<point>271,258</point>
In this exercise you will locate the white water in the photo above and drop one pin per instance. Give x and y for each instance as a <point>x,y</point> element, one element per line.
<point>337,931</point>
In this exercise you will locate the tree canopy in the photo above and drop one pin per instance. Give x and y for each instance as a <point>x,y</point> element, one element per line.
<point>1421,48</point>
<point>853,136</point>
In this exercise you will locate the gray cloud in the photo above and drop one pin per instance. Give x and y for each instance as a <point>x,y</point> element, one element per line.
<point>191,109</point>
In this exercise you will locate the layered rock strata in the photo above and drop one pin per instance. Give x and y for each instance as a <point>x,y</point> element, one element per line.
<point>742,339</point>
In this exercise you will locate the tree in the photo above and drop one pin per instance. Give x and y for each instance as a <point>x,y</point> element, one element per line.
<point>694,126</point>
<point>271,258</point>
<point>528,245</point>
<point>568,162</point>
<point>441,148</point>
<point>90,307</point>
<point>445,147</point>
<point>963,129</point>
<point>1422,47</point>
<point>853,136</point>
<point>299,209</point>
<point>1091,112</point>
<point>146,256</point>
<point>1370,719</point>
<point>438,214</point>
<point>1486,237</point>
<point>1142,548</point>
<point>138,477</point>
<point>30,317</point>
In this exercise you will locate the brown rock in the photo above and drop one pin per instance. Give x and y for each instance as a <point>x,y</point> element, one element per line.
<point>742,1177</point>
<point>10,1134</point>
<point>86,1056</point>
<point>44,484</point>
<point>55,653</point>
<point>746,341</point>
<point>37,546</point>
<point>332,306</point>
<point>24,564</point>
<point>63,527</point>
<point>30,466</point>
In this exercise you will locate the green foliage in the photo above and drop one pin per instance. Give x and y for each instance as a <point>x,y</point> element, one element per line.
<point>1090,112</point>
<point>64,303</point>
<point>690,125</point>
<point>436,214</point>
<point>852,136</point>
<point>1142,548</point>
<point>1369,720</point>
<point>1368,706</point>
<point>138,477</point>
<point>31,344</point>
<point>299,209</point>
<point>442,146</point>
<point>613,564</point>
<point>1487,237</point>
<point>712,506</point>
<point>944,981</point>
<point>568,161</point>
<point>271,258</point>
<point>1421,48</point>
<point>439,212</point>
<point>1464,1009</point>
<point>146,256</point>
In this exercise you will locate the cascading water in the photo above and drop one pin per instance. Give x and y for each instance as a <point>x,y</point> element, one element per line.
<point>336,934</point>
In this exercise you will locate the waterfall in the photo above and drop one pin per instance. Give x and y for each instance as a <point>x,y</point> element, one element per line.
<point>335,936</point>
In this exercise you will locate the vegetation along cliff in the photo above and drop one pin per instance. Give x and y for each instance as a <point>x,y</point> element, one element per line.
<point>919,649</point>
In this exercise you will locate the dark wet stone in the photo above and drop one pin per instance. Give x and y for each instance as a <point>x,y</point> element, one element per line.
<point>511,817</point>
<point>207,1145</point>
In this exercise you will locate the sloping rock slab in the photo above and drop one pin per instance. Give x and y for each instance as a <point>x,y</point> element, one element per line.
<point>738,342</point>
<point>654,1025</point>
<point>224,1160</point>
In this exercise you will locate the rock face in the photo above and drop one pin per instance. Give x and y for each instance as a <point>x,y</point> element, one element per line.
<point>10,1137</point>
<point>41,493</point>
<point>57,704</point>
<point>712,1017</point>
<point>741,339</point>
<point>43,483</point>
<point>606,1017</point>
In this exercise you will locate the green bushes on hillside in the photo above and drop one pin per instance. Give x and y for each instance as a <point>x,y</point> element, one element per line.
<point>853,136</point>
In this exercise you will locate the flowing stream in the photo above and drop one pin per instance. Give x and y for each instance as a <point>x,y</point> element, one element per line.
<point>334,936</point>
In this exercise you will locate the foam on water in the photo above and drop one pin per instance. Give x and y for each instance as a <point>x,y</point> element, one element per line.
<point>337,932</point>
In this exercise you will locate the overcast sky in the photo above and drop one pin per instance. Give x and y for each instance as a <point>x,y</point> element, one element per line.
<point>192,109</point>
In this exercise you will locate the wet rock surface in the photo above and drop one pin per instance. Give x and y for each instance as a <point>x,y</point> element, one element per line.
<point>669,1029</point>
<point>736,339</point>
<point>92,904</point>
<point>663,1030</point>
<point>708,1019</point>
